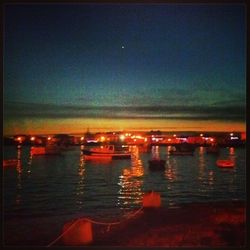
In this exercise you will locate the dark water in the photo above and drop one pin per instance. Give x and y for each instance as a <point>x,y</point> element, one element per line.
<point>44,192</point>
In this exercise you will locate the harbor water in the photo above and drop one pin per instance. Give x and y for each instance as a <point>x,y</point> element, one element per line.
<point>44,192</point>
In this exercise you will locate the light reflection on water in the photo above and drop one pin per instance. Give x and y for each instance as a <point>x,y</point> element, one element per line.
<point>80,186</point>
<point>68,184</point>
<point>171,175</point>
<point>19,177</point>
<point>131,182</point>
<point>47,191</point>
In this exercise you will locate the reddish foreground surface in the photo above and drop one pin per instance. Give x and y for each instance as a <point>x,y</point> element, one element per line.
<point>217,224</point>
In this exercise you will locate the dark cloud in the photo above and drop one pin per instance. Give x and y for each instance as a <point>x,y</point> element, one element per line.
<point>235,102</point>
<point>53,111</point>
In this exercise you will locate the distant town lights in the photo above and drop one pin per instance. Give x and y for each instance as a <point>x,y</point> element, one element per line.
<point>103,138</point>
<point>122,137</point>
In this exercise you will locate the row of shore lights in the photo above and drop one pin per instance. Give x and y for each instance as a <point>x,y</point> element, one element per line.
<point>232,137</point>
<point>32,138</point>
<point>122,137</point>
<point>206,138</point>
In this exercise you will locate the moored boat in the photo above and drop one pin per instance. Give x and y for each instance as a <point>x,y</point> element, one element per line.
<point>106,151</point>
<point>225,163</point>
<point>182,149</point>
<point>46,150</point>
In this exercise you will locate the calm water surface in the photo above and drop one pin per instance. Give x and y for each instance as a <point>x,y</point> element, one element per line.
<point>44,192</point>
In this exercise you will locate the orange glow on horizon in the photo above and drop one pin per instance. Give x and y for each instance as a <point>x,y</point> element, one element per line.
<point>71,126</point>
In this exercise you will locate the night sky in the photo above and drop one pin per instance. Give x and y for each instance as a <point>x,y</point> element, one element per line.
<point>124,66</point>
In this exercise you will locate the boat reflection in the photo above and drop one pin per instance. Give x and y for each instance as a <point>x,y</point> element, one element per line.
<point>155,151</point>
<point>232,155</point>
<point>130,182</point>
<point>231,151</point>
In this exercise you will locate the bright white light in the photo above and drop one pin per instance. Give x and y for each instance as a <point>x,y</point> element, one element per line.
<point>234,137</point>
<point>122,137</point>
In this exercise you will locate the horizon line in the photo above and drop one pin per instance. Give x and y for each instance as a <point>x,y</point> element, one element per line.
<point>125,131</point>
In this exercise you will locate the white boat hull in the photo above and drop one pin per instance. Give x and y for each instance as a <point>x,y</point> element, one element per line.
<point>88,155</point>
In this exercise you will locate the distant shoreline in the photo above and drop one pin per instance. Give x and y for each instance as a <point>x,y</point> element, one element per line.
<point>131,131</point>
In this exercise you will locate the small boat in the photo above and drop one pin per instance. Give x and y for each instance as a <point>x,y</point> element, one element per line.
<point>156,164</point>
<point>106,151</point>
<point>47,150</point>
<point>10,163</point>
<point>225,163</point>
<point>182,149</point>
